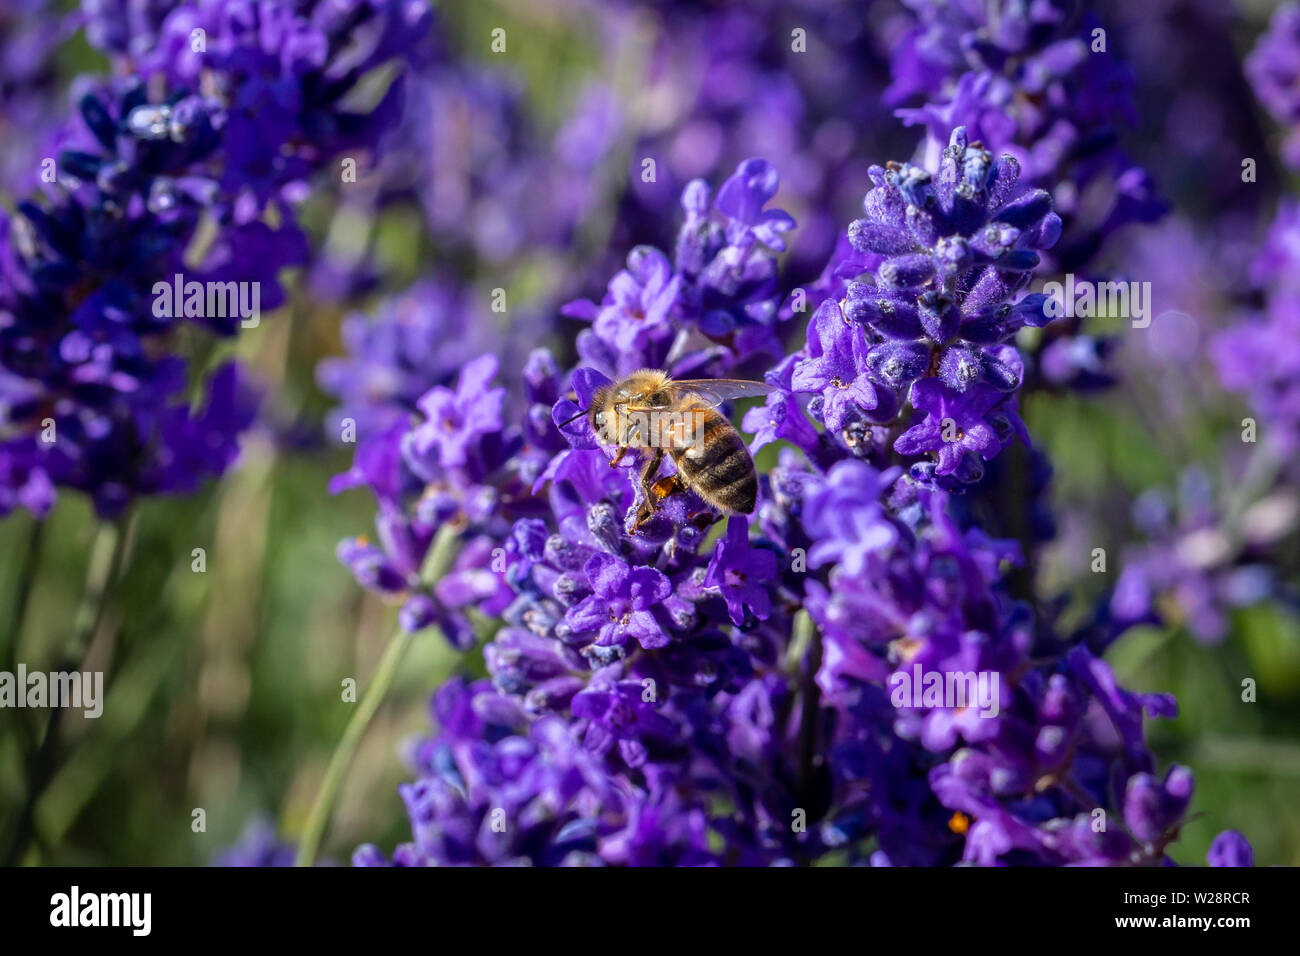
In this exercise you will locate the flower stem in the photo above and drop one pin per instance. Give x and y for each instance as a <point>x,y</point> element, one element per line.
<point>438,562</point>
<point>105,562</point>
<point>31,560</point>
<point>808,639</point>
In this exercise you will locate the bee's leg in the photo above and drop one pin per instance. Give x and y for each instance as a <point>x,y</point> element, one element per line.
<point>648,499</point>
<point>664,487</point>
<point>701,520</point>
<point>622,450</point>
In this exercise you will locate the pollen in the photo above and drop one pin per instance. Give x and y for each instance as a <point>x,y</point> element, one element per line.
<point>959,823</point>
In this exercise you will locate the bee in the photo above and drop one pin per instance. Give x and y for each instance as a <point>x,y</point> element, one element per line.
<point>679,418</point>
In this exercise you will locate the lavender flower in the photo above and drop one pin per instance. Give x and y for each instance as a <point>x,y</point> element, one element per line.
<point>91,394</point>
<point>721,283</point>
<point>1230,848</point>
<point>258,846</point>
<point>1197,564</point>
<point>1260,355</point>
<point>620,604</point>
<point>946,260</point>
<point>653,699</point>
<point>1273,70</point>
<point>1029,81</point>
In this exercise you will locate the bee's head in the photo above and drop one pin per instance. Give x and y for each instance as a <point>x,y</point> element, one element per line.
<point>597,414</point>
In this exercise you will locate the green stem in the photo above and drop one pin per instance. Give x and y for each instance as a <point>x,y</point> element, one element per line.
<point>31,560</point>
<point>105,563</point>
<point>441,555</point>
<point>807,639</point>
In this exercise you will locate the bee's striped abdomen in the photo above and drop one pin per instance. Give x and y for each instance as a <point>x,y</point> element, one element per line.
<point>718,467</point>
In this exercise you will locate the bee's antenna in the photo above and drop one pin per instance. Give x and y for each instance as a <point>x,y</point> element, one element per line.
<point>573,419</point>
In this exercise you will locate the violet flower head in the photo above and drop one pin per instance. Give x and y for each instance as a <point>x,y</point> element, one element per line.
<point>258,846</point>
<point>101,272</point>
<point>1029,79</point>
<point>1260,355</point>
<point>1230,848</point>
<point>1273,68</point>
<point>654,699</point>
<point>638,306</point>
<point>721,283</point>
<point>456,420</point>
<point>948,258</point>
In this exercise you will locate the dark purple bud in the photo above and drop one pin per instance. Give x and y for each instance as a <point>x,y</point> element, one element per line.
<point>893,317</point>
<point>990,290</point>
<point>927,224</point>
<point>1019,260</point>
<point>569,589</point>
<point>1031,311</point>
<point>605,525</point>
<point>969,470</point>
<point>988,327</point>
<point>1006,173</point>
<point>1045,234</point>
<point>1025,211</point>
<point>100,123</point>
<point>565,554</point>
<point>939,316</point>
<point>913,183</point>
<point>868,236</point>
<point>999,374</point>
<point>905,272</point>
<point>898,363</point>
<point>951,256</point>
<point>995,239</point>
<point>961,368</point>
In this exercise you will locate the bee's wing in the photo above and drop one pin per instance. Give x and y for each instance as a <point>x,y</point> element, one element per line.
<point>719,390</point>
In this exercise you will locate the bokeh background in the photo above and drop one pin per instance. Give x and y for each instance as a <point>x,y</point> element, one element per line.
<point>520,171</point>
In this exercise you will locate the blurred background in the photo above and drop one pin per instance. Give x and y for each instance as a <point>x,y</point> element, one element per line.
<point>521,170</point>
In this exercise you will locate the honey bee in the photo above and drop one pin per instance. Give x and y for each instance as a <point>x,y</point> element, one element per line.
<point>679,418</point>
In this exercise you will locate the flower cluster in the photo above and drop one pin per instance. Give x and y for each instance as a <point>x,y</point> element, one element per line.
<point>1260,356</point>
<point>253,101</point>
<point>29,36</point>
<point>1040,83</point>
<point>671,695</point>
<point>927,325</point>
<point>407,344</point>
<point>1196,566</point>
<point>721,284</point>
<point>457,466</point>
<point>1273,68</point>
